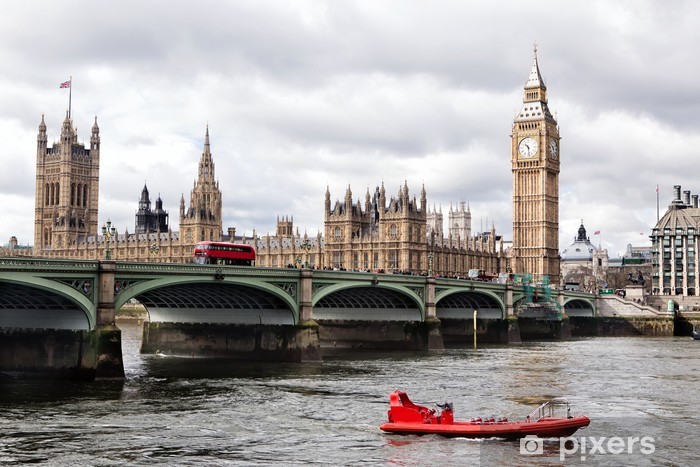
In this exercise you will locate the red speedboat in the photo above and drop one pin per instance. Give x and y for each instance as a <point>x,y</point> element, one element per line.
<point>405,417</point>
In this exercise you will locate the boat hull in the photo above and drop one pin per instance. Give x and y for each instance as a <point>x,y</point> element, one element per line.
<point>543,428</point>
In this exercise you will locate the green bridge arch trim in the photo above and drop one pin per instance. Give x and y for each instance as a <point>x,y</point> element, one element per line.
<point>84,302</point>
<point>404,290</point>
<point>590,300</point>
<point>146,285</point>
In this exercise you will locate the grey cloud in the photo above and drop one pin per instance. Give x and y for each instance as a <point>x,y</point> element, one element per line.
<point>302,95</point>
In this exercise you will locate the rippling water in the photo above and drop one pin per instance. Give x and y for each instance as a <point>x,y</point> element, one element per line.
<point>183,411</point>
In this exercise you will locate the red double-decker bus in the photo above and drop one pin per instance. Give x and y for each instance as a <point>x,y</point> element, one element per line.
<point>224,253</point>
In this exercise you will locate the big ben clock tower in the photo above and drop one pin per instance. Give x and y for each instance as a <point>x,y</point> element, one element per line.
<point>535,157</point>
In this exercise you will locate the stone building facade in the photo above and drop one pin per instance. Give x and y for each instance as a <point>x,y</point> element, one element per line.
<point>67,188</point>
<point>535,166</point>
<point>150,220</point>
<point>583,264</point>
<point>202,219</point>
<point>435,220</point>
<point>392,234</point>
<point>286,247</point>
<point>385,234</point>
<point>66,223</point>
<point>674,248</point>
<point>460,221</point>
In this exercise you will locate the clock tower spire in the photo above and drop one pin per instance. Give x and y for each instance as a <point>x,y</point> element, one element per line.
<point>535,167</point>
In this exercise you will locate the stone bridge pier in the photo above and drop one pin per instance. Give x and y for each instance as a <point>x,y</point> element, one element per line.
<point>57,320</point>
<point>104,352</point>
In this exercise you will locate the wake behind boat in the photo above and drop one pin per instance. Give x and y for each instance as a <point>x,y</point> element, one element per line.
<point>405,417</point>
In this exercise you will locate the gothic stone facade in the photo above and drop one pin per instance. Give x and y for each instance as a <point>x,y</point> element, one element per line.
<point>66,223</point>
<point>286,248</point>
<point>535,166</point>
<point>391,235</point>
<point>67,188</point>
<point>150,220</point>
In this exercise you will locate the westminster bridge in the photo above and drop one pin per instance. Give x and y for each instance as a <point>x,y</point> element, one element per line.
<point>54,313</point>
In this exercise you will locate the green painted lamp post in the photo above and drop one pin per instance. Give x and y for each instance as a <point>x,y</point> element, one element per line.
<point>153,249</point>
<point>306,246</point>
<point>108,232</point>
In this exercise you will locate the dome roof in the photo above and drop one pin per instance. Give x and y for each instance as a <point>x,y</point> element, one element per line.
<point>578,251</point>
<point>581,250</point>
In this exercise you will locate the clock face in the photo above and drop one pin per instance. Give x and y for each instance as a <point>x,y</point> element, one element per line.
<point>527,147</point>
<point>553,149</point>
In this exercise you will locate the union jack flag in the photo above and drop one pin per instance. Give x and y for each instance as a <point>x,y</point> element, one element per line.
<point>65,84</point>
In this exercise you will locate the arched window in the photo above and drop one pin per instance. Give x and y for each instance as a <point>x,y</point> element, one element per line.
<point>47,192</point>
<point>72,193</point>
<point>393,230</point>
<point>337,232</point>
<point>58,192</point>
<point>85,195</point>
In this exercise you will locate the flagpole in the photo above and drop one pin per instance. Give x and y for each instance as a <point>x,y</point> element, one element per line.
<point>657,203</point>
<point>70,93</point>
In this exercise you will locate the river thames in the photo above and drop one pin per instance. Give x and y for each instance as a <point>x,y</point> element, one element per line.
<point>184,411</point>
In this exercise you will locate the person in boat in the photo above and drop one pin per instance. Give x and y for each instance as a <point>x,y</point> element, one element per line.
<point>447,413</point>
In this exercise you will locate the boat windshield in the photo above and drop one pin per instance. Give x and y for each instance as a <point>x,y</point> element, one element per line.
<point>556,408</point>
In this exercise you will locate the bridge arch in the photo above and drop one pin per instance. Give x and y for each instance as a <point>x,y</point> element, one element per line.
<point>579,307</point>
<point>199,299</point>
<point>380,302</point>
<point>39,303</point>
<point>460,304</point>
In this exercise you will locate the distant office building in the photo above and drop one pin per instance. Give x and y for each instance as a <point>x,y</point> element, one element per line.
<point>636,256</point>
<point>674,247</point>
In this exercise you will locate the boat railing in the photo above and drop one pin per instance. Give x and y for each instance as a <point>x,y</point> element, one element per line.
<point>490,421</point>
<point>550,409</point>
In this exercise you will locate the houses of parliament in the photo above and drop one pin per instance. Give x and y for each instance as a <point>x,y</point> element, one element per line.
<point>383,232</point>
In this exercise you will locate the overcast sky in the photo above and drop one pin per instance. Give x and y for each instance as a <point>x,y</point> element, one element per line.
<point>301,95</point>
